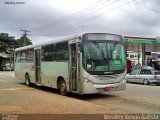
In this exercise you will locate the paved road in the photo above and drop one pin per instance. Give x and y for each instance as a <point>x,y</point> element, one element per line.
<point>16,97</point>
<point>136,98</point>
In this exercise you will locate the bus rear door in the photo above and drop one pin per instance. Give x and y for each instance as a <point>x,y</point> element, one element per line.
<point>38,66</point>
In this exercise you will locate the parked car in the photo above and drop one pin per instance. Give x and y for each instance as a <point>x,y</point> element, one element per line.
<point>145,75</point>
<point>141,67</point>
<point>8,67</point>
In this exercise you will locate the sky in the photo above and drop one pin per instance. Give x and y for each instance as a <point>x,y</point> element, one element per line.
<point>47,19</point>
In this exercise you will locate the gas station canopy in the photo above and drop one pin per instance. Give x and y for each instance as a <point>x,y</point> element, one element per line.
<point>139,40</point>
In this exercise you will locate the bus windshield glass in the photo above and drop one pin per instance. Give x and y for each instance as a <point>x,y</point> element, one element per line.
<point>103,56</point>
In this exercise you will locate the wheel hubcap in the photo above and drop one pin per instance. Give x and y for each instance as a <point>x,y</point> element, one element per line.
<point>27,82</point>
<point>62,87</point>
<point>145,82</point>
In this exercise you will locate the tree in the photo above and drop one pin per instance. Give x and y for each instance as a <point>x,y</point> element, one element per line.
<point>24,41</point>
<point>6,42</point>
<point>7,45</point>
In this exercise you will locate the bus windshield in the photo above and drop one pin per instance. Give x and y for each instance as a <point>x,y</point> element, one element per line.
<point>104,56</point>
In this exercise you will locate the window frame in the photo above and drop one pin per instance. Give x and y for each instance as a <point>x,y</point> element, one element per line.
<point>32,55</point>
<point>48,53</point>
<point>61,49</point>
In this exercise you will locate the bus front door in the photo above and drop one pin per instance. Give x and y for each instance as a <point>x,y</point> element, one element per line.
<point>73,68</point>
<point>38,66</point>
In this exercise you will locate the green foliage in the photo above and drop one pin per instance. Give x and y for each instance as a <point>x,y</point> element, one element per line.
<point>3,49</point>
<point>4,37</point>
<point>8,42</point>
<point>24,41</point>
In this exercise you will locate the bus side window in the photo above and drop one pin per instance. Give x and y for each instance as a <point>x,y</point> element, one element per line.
<point>18,57</point>
<point>61,51</point>
<point>30,55</point>
<point>48,52</point>
<point>23,56</point>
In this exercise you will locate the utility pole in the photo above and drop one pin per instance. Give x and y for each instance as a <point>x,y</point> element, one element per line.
<point>25,32</point>
<point>82,26</point>
<point>25,36</point>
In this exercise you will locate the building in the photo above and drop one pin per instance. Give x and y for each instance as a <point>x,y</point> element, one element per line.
<point>4,58</point>
<point>138,48</point>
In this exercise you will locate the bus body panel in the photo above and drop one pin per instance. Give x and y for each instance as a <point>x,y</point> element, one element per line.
<point>31,72</point>
<point>94,84</point>
<point>19,71</point>
<point>25,68</point>
<point>51,71</point>
<point>77,78</point>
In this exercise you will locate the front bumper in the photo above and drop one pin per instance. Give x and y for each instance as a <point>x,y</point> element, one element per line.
<point>110,87</point>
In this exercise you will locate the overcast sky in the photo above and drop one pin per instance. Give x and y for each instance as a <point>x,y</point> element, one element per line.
<point>46,19</point>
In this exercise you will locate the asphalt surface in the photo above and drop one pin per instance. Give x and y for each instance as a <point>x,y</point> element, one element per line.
<point>17,98</point>
<point>137,98</point>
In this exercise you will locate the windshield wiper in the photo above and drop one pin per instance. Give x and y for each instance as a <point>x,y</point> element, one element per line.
<point>96,44</point>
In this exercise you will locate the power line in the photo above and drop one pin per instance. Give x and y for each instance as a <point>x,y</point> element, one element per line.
<point>81,11</point>
<point>88,10</point>
<point>126,3</point>
<point>146,7</point>
<point>73,14</point>
<point>115,8</point>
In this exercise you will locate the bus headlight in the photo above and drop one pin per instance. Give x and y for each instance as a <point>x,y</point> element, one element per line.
<point>87,81</point>
<point>124,80</point>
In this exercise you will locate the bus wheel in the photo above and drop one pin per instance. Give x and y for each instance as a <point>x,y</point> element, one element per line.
<point>62,88</point>
<point>27,80</point>
<point>145,82</point>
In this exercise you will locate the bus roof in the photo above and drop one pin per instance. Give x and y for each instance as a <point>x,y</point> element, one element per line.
<point>56,40</point>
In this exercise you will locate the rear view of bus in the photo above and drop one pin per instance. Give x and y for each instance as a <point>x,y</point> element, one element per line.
<point>104,63</point>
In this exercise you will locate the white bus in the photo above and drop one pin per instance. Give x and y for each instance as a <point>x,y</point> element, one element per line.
<point>82,64</point>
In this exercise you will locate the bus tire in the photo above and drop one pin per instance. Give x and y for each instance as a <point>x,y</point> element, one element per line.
<point>146,81</point>
<point>62,87</point>
<point>27,80</point>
